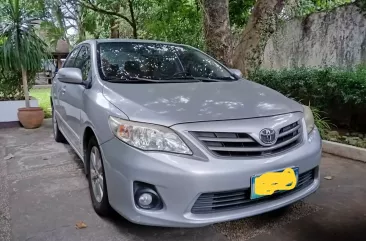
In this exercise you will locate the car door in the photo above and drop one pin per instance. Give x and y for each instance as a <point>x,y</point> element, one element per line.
<point>58,92</point>
<point>73,97</point>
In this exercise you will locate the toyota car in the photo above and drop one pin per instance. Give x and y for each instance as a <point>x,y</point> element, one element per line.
<point>171,137</point>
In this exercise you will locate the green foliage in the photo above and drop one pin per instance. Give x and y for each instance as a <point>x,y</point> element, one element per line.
<point>11,84</point>
<point>322,123</point>
<point>339,93</point>
<point>53,33</point>
<point>361,5</point>
<point>36,8</point>
<point>43,97</point>
<point>306,7</point>
<point>178,21</point>
<point>239,11</point>
<point>20,46</point>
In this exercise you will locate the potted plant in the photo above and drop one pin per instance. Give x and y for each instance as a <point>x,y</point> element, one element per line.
<point>22,50</point>
<point>12,95</point>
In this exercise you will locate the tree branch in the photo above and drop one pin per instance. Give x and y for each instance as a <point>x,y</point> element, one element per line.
<point>70,18</point>
<point>133,20</point>
<point>88,4</point>
<point>71,12</point>
<point>71,26</point>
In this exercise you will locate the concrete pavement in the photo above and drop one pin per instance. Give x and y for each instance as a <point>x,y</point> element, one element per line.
<point>44,193</point>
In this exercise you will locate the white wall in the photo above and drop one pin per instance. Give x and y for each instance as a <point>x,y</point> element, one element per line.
<point>9,109</point>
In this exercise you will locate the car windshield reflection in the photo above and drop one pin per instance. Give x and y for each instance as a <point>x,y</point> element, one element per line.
<point>125,61</point>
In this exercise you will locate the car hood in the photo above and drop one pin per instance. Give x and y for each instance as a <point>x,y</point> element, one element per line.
<point>173,103</point>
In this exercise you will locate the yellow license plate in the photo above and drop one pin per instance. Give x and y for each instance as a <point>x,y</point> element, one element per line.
<point>272,182</point>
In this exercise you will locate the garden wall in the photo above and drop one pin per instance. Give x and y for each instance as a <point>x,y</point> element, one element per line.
<point>336,38</point>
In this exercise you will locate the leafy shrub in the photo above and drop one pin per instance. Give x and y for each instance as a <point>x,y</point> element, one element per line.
<point>321,122</point>
<point>339,93</point>
<point>11,84</point>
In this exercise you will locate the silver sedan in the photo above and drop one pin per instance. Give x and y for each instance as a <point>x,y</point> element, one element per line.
<point>171,137</point>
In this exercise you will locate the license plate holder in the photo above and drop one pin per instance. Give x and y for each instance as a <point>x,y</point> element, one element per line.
<point>270,186</point>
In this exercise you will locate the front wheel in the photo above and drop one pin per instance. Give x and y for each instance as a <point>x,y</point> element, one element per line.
<point>96,179</point>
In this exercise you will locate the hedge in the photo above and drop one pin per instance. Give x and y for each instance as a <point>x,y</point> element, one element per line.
<point>11,84</point>
<point>341,94</point>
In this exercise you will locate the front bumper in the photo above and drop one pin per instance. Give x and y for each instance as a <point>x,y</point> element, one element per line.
<point>180,179</point>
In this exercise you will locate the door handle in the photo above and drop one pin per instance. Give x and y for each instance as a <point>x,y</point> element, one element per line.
<point>63,89</point>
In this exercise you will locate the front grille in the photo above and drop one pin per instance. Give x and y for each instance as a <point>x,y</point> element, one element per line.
<point>229,200</point>
<point>243,145</point>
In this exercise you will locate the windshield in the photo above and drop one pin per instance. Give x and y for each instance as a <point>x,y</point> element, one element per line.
<point>155,61</point>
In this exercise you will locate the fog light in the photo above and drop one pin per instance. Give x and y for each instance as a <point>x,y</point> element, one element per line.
<point>145,199</point>
<point>146,196</point>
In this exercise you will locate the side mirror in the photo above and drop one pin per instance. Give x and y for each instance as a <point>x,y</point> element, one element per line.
<point>70,75</point>
<point>237,72</point>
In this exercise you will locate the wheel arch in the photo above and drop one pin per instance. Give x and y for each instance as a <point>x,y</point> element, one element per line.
<point>88,134</point>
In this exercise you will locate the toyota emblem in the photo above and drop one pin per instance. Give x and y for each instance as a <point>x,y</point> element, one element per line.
<point>267,136</point>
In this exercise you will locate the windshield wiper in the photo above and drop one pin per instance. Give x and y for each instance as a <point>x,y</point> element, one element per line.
<point>143,79</point>
<point>231,77</point>
<point>188,76</point>
<point>204,79</point>
<point>182,75</point>
<point>131,80</point>
<point>146,80</point>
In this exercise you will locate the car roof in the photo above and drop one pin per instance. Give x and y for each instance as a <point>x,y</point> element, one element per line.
<point>120,40</point>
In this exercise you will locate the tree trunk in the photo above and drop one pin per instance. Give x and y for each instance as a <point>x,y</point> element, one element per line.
<point>134,31</point>
<point>217,30</point>
<point>114,22</point>
<point>25,87</point>
<point>248,55</point>
<point>82,35</point>
<point>133,19</point>
<point>114,25</point>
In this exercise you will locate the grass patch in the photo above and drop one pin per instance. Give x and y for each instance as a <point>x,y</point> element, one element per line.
<point>43,97</point>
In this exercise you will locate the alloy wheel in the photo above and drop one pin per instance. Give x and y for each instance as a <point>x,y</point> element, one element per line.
<point>96,174</point>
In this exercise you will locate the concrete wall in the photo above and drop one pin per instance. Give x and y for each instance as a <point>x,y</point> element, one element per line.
<point>9,109</point>
<point>336,38</point>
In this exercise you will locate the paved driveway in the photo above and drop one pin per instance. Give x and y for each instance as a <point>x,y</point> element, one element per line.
<point>43,194</point>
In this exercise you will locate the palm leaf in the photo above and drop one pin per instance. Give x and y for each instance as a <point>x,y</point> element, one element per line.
<point>20,45</point>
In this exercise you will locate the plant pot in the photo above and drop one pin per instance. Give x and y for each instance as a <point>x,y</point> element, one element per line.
<point>31,117</point>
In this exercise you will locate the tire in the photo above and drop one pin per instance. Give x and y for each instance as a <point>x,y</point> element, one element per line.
<point>98,193</point>
<point>59,137</point>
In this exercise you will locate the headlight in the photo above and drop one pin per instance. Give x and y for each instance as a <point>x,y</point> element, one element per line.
<point>309,119</point>
<point>148,137</point>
